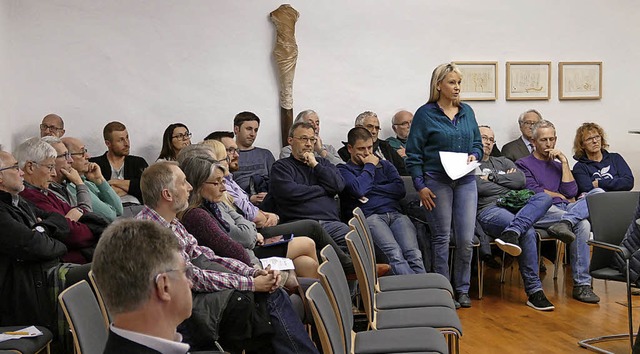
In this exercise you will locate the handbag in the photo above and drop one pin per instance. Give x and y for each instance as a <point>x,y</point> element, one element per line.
<point>514,200</point>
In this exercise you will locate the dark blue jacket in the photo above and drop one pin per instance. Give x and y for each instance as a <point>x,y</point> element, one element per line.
<point>301,192</point>
<point>381,185</point>
<point>612,173</point>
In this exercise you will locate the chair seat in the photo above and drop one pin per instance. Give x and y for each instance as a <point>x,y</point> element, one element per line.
<point>608,274</point>
<point>414,298</point>
<point>407,340</point>
<point>26,345</point>
<point>436,317</point>
<point>414,281</point>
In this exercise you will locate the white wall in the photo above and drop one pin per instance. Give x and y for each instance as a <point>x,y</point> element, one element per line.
<point>5,84</point>
<point>151,63</point>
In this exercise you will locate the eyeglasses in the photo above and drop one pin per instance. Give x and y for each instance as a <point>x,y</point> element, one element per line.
<point>182,136</point>
<point>51,128</point>
<point>51,167</point>
<point>305,139</point>
<point>213,183</point>
<point>66,155</point>
<point>187,270</point>
<point>231,151</point>
<point>593,139</point>
<point>529,123</point>
<point>406,124</point>
<point>488,139</point>
<point>79,153</point>
<point>14,167</point>
<point>371,127</point>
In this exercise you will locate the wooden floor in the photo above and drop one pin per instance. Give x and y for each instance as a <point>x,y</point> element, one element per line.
<point>502,322</point>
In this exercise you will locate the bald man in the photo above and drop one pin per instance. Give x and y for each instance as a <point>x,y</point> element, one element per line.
<point>400,123</point>
<point>104,199</point>
<point>52,125</point>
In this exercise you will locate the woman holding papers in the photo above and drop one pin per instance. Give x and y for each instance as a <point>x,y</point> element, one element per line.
<point>444,124</point>
<point>212,222</point>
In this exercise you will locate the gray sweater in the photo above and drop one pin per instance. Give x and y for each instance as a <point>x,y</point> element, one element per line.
<point>499,181</point>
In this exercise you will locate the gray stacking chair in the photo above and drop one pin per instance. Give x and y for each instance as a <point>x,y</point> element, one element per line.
<point>612,214</point>
<point>396,282</point>
<point>85,319</point>
<point>30,345</point>
<point>407,340</point>
<point>444,319</point>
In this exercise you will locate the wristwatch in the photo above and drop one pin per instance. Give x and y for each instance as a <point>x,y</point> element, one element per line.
<point>40,229</point>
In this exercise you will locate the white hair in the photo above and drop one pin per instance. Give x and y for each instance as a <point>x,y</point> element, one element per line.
<point>34,149</point>
<point>362,116</point>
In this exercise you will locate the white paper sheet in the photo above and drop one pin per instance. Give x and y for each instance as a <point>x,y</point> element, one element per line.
<point>32,332</point>
<point>455,164</point>
<point>277,263</point>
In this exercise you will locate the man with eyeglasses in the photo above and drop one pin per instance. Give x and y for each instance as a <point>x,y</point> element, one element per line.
<point>381,148</point>
<point>104,200</point>
<point>320,149</point>
<point>567,218</point>
<point>512,229</point>
<point>121,169</point>
<point>38,161</point>
<point>150,302</point>
<point>30,249</point>
<point>401,124</point>
<point>52,125</point>
<point>254,163</point>
<point>523,146</point>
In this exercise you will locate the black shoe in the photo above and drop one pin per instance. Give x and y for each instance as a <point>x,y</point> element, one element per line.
<point>543,268</point>
<point>508,242</point>
<point>540,302</point>
<point>562,231</point>
<point>457,304</point>
<point>585,293</point>
<point>464,300</point>
<point>491,262</point>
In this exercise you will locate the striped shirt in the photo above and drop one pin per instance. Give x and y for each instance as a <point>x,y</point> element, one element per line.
<point>205,280</point>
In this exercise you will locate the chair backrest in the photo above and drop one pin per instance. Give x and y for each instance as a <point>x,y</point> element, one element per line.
<point>103,307</point>
<point>335,284</point>
<point>611,214</point>
<point>358,253</point>
<point>365,231</point>
<point>82,311</point>
<point>325,320</point>
<point>369,257</point>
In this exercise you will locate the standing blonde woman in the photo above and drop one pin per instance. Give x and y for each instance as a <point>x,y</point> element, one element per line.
<point>446,124</point>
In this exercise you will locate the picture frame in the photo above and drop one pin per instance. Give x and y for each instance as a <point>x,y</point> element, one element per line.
<point>580,80</point>
<point>479,80</point>
<point>528,80</point>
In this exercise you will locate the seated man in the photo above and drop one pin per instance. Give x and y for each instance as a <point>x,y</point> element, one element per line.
<point>567,218</point>
<point>66,174</point>
<point>513,233</point>
<point>52,125</point>
<point>304,187</point>
<point>121,169</point>
<point>146,286</point>
<point>375,186</point>
<point>254,163</point>
<point>232,301</point>
<point>30,252</point>
<point>523,146</point>
<point>381,148</point>
<point>320,149</point>
<point>104,200</point>
<point>401,124</point>
<point>38,161</point>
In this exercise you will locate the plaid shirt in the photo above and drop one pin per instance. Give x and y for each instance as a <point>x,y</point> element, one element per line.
<point>205,280</point>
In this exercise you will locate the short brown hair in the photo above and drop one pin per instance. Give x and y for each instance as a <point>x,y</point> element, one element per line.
<point>112,127</point>
<point>155,179</point>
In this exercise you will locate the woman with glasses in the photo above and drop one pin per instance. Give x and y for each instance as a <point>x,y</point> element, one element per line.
<point>446,124</point>
<point>174,139</point>
<point>596,167</point>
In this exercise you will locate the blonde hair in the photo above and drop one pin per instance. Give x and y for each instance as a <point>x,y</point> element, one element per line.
<point>439,73</point>
<point>581,133</point>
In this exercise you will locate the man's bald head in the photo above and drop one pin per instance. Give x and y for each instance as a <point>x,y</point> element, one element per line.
<point>78,153</point>
<point>401,123</point>
<point>11,177</point>
<point>52,125</point>
<point>5,157</point>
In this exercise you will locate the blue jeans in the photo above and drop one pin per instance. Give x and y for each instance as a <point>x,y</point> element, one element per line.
<point>395,235</point>
<point>576,213</point>
<point>290,335</point>
<point>455,201</point>
<point>337,230</point>
<point>494,220</point>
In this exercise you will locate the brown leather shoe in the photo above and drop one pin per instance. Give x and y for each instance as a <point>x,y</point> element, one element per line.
<point>381,269</point>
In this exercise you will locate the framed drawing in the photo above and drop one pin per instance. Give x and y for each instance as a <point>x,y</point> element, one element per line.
<point>479,80</point>
<point>528,80</point>
<point>579,80</point>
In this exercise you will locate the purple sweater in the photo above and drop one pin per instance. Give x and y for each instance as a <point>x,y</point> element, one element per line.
<point>544,174</point>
